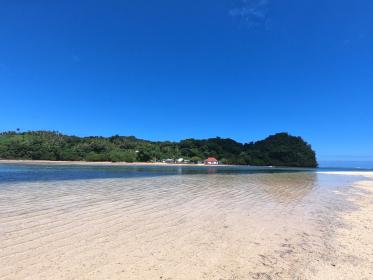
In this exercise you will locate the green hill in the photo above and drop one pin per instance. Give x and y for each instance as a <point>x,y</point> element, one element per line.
<point>280,149</point>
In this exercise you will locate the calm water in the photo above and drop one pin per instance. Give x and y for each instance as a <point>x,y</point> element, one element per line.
<point>28,172</point>
<point>149,222</point>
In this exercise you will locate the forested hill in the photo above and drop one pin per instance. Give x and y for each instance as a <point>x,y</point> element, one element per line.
<point>280,149</point>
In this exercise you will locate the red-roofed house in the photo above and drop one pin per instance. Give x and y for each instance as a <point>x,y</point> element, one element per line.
<point>211,161</point>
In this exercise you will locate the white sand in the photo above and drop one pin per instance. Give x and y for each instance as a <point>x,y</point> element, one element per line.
<point>94,163</point>
<point>352,245</point>
<point>264,226</point>
<point>368,174</point>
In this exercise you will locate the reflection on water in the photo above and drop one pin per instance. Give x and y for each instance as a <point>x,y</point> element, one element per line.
<point>40,172</point>
<point>228,191</point>
<point>206,223</point>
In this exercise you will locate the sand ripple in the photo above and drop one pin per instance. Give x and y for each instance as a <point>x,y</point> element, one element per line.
<point>256,226</point>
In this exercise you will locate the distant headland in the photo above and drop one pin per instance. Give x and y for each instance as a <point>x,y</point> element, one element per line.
<point>280,149</point>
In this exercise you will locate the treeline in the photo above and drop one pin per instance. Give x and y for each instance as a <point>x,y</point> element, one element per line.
<point>280,149</point>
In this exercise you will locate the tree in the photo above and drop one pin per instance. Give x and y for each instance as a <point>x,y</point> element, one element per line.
<point>280,149</point>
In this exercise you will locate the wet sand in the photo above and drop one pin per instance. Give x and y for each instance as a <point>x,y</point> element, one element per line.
<point>351,246</point>
<point>253,226</point>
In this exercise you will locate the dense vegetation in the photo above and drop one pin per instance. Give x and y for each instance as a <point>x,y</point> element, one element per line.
<point>281,149</point>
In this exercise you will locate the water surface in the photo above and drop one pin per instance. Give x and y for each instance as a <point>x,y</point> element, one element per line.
<point>43,172</point>
<point>137,222</point>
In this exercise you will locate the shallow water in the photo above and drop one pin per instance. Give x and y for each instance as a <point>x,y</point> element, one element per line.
<point>189,224</point>
<point>44,172</point>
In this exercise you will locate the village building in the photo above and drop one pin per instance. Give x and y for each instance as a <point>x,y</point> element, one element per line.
<point>211,161</point>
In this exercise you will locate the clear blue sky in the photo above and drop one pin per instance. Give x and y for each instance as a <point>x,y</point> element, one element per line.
<point>177,69</point>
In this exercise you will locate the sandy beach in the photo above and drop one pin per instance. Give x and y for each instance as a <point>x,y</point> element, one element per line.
<point>256,226</point>
<point>352,245</point>
<point>93,163</point>
<point>367,174</point>
<point>186,140</point>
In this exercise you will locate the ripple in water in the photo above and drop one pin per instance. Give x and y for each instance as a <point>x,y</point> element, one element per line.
<point>228,226</point>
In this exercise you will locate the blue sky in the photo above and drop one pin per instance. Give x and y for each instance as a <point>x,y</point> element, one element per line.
<point>177,69</point>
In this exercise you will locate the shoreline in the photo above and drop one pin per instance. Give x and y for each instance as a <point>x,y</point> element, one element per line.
<point>367,174</point>
<point>290,229</point>
<point>101,163</point>
<point>352,240</point>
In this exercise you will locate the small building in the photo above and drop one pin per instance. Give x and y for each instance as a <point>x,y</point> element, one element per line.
<point>211,161</point>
